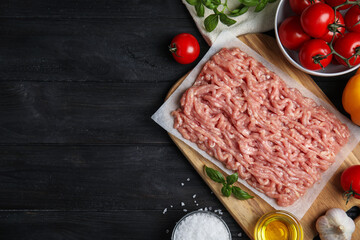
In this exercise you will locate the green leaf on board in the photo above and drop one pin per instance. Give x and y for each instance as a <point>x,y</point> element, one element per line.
<point>226,190</point>
<point>240,194</point>
<point>215,175</point>
<point>231,179</point>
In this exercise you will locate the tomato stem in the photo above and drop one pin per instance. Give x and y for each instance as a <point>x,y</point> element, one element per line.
<point>334,28</point>
<point>173,49</point>
<point>349,193</point>
<point>317,59</point>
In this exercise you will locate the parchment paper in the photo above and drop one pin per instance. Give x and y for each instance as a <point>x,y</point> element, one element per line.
<point>226,39</point>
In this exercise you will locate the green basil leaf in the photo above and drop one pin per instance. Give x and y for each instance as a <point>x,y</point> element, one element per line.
<point>271,1</point>
<point>192,2</point>
<point>231,179</point>
<point>226,20</point>
<point>226,190</point>
<point>239,11</point>
<point>216,2</point>
<point>243,10</point>
<point>240,194</point>
<point>209,4</point>
<point>211,22</point>
<point>214,175</point>
<point>261,5</point>
<point>200,9</point>
<point>212,6</point>
<point>235,11</point>
<point>250,3</point>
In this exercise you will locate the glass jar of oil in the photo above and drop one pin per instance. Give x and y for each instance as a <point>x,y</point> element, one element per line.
<point>278,225</point>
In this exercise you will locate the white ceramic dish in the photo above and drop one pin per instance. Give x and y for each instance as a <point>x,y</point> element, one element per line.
<point>283,11</point>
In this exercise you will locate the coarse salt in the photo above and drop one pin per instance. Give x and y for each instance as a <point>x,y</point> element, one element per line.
<point>218,211</point>
<point>201,226</point>
<point>165,210</point>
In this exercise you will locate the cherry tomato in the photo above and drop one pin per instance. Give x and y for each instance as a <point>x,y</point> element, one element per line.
<point>339,32</point>
<point>347,46</point>
<point>298,6</point>
<point>291,34</point>
<point>352,17</point>
<point>334,3</point>
<point>350,182</point>
<point>184,48</point>
<point>316,18</point>
<point>310,52</point>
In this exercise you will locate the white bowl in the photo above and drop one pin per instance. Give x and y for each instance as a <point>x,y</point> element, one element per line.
<point>204,213</point>
<point>283,11</point>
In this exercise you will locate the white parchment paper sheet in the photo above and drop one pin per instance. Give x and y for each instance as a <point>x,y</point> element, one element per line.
<point>226,39</point>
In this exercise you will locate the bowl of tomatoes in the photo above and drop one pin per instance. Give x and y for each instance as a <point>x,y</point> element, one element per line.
<point>319,37</point>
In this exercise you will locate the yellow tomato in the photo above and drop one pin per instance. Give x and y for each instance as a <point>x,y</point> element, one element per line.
<point>351,98</point>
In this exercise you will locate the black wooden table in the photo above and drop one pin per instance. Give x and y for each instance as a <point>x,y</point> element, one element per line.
<point>80,157</point>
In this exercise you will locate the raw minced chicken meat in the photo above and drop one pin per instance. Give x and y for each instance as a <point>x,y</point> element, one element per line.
<point>245,116</point>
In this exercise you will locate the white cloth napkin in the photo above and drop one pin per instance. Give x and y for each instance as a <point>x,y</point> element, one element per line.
<point>250,22</point>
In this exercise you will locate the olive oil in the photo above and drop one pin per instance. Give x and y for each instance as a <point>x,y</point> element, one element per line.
<point>278,225</point>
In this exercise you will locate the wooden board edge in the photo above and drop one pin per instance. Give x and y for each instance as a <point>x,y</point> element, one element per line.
<point>248,39</point>
<point>216,188</point>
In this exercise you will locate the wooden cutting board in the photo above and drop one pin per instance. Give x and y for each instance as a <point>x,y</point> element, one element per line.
<point>246,213</point>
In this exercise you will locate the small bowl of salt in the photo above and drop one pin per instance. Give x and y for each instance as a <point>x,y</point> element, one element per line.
<point>201,225</point>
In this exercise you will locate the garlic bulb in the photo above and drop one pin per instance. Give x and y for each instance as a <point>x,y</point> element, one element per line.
<point>335,225</point>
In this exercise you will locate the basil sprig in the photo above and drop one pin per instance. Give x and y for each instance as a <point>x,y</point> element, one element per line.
<point>212,20</point>
<point>227,183</point>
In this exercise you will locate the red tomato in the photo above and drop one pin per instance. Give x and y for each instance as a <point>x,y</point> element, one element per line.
<point>310,52</point>
<point>339,32</point>
<point>352,17</point>
<point>334,3</point>
<point>347,46</point>
<point>184,48</point>
<point>291,34</point>
<point>298,6</point>
<point>316,18</point>
<point>350,182</point>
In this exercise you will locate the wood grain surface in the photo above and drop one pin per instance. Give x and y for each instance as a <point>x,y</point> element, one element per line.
<point>246,213</point>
